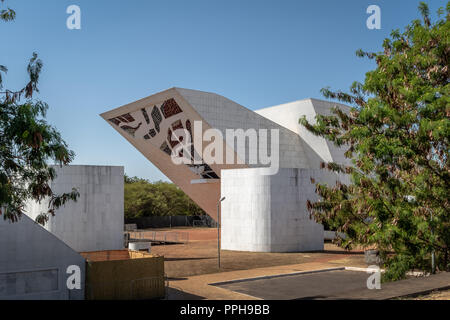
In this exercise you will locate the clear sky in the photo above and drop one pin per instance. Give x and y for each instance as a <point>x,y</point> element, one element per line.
<point>257,53</point>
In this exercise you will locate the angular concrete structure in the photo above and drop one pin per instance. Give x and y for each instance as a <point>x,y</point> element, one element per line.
<point>34,263</point>
<point>288,115</point>
<point>95,221</point>
<point>149,125</point>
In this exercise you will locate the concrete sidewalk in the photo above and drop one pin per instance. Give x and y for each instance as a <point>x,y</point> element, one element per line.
<point>401,288</point>
<point>199,287</point>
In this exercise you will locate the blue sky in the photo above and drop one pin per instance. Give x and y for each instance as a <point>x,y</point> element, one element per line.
<point>257,53</point>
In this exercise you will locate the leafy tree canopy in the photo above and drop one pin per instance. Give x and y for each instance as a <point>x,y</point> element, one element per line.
<point>144,198</point>
<point>27,143</point>
<point>397,134</point>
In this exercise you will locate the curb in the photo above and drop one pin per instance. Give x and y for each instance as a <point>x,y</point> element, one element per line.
<point>423,292</point>
<point>276,276</point>
<point>363,269</point>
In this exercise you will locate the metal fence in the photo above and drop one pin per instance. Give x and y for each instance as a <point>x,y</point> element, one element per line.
<point>205,222</point>
<point>169,221</point>
<point>160,236</point>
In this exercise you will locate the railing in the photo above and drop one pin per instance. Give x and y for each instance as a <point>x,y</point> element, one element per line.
<point>160,236</point>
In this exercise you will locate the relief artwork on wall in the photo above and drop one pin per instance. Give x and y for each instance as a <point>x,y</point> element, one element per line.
<point>149,123</point>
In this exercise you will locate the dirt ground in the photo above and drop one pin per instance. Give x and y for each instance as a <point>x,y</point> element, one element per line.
<point>199,255</point>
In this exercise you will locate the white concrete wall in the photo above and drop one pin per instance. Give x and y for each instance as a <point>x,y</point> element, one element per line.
<point>288,115</point>
<point>268,213</point>
<point>96,221</point>
<point>33,263</point>
<point>222,113</point>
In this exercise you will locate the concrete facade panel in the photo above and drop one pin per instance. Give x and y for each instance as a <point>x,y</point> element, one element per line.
<point>33,263</point>
<point>95,221</point>
<point>268,213</point>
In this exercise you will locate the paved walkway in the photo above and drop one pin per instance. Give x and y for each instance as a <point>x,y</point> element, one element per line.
<point>199,287</point>
<point>192,267</point>
<point>200,258</point>
<point>407,287</point>
<point>309,286</point>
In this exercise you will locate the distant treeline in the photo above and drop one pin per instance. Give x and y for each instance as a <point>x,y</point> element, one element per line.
<point>144,198</point>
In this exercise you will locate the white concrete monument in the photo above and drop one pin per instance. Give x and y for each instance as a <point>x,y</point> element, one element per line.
<point>260,161</point>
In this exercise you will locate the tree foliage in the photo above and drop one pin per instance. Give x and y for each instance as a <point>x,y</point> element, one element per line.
<point>27,143</point>
<point>7,14</point>
<point>144,198</point>
<point>397,134</point>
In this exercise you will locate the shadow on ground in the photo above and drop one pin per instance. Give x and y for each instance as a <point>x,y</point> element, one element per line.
<point>175,294</point>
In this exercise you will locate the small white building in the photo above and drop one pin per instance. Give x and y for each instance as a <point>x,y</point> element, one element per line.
<point>96,220</point>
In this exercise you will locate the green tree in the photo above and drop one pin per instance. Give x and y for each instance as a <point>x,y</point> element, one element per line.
<point>143,199</point>
<point>27,143</point>
<point>397,135</point>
